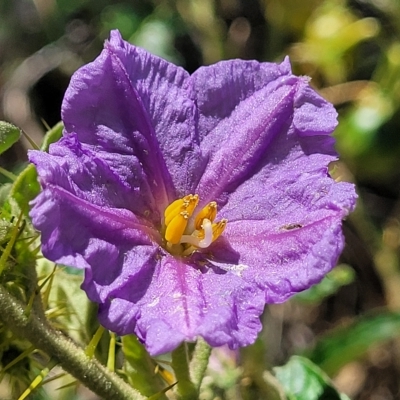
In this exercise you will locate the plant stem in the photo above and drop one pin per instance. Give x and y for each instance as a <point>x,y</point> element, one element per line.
<point>36,329</point>
<point>199,362</point>
<point>180,364</point>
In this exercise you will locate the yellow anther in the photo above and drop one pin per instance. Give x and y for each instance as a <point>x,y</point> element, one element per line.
<point>171,211</point>
<point>176,227</point>
<point>191,204</point>
<point>209,212</point>
<point>219,228</point>
<point>187,203</point>
<point>199,233</point>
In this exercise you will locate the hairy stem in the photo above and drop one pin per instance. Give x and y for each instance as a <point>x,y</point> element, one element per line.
<point>180,364</point>
<point>36,329</point>
<point>199,362</point>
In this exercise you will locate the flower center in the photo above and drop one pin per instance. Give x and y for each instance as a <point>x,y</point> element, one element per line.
<point>185,233</point>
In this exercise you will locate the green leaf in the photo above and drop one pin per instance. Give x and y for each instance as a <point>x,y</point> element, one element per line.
<point>9,134</point>
<point>303,380</point>
<point>4,193</point>
<point>140,368</point>
<point>53,135</point>
<point>68,302</point>
<point>5,226</point>
<point>340,276</point>
<point>25,188</point>
<point>351,342</point>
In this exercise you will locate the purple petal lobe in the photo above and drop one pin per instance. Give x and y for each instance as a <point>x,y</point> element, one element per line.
<point>217,306</point>
<point>132,104</point>
<point>72,227</point>
<point>313,116</point>
<point>243,107</point>
<point>99,180</point>
<point>289,258</point>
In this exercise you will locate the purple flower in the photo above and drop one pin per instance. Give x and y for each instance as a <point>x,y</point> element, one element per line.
<point>190,200</point>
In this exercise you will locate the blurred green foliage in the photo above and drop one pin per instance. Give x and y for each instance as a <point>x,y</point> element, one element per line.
<point>350,342</point>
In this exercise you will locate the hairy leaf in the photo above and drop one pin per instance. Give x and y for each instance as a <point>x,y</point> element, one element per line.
<point>9,134</point>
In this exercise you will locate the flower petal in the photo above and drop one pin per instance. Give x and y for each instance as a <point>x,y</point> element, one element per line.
<point>182,302</point>
<point>133,104</point>
<point>243,107</point>
<point>286,262</point>
<point>79,233</point>
<point>285,224</point>
<point>74,167</point>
